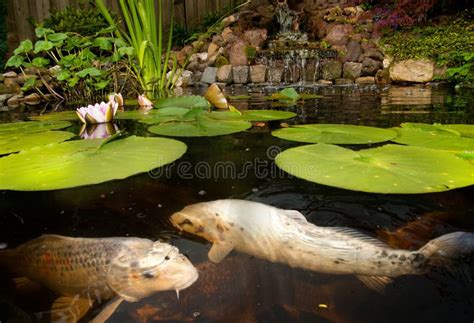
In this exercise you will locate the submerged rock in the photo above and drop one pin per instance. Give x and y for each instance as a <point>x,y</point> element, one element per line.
<point>411,70</point>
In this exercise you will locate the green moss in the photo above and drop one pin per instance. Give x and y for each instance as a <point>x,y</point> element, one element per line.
<point>221,61</point>
<point>251,52</point>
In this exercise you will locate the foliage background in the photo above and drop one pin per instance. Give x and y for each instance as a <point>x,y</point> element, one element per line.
<point>3,33</point>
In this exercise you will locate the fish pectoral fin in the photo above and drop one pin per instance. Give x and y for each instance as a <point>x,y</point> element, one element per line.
<point>69,308</point>
<point>295,216</point>
<point>24,285</point>
<point>219,251</point>
<point>107,311</point>
<point>376,283</point>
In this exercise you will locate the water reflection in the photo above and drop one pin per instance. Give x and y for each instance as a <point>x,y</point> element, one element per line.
<point>98,130</point>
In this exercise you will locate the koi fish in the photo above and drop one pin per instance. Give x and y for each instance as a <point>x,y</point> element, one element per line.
<point>285,236</point>
<point>93,270</point>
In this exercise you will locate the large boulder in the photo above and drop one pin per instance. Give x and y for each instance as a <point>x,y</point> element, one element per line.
<point>412,70</point>
<point>337,35</point>
<point>352,70</point>
<point>353,51</point>
<point>237,54</point>
<point>331,70</point>
<point>256,37</point>
<point>370,66</point>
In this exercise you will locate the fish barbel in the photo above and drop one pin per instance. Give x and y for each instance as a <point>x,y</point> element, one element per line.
<point>97,269</point>
<point>285,236</point>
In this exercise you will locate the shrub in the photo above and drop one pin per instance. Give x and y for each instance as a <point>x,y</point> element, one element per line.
<point>3,33</point>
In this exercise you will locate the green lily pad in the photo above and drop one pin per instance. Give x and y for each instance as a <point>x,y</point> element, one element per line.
<point>85,162</point>
<point>252,115</point>
<point>465,130</point>
<point>443,137</point>
<point>200,127</point>
<point>32,126</point>
<point>56,116</point>
<point>163,115</point>
<point>290,94</point>
<point>335,134</point>
<point>13,142</point>
<point>387,169</point>
<point>191,101</point>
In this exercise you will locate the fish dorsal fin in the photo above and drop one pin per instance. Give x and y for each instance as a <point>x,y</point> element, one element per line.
<point>376,283</point>
<point>69,309</point>
<point>107,311</point>
<point>355,234</point>
<point>219,251</point>
<point>295,216</point>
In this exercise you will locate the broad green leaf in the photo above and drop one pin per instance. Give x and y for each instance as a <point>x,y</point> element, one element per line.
<point>57,37</point>
<point>435,136</point>
<point>103,43</point>
<point>252,115</point>
<point>56,116</point>
<point>86,54</point>
<point>387,169</point>
<point>202,127</point>
<point>73,81</point>
<point>85,162</point>
<point>32,126</point>
<point>130,51</point>
<point>161,115</point>
<point>40,62</point>
<point>15,61</point>
<point>465,130</point>
<point>192,101</point>
<point>25,46</point>
<point>41,32</point>
<point>335,134</point>
<point>67,60</point>
<point>289,94</point>
<point>91,71</point>
<point>42,46</point>
<point>29,83</point>
<point>16,141</point>
<point>63,75</point>
<point>101,85</point>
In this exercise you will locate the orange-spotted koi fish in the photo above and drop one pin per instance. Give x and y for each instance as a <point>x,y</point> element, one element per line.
<point>85,271</point>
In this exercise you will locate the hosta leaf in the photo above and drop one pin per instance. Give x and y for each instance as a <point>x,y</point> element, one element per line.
<point>387,169</point>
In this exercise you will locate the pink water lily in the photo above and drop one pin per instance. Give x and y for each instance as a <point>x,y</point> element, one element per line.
<point>143,101</point>
<point>99,113</point>
<point>116,98</point>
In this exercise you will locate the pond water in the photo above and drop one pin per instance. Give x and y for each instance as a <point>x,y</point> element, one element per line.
<point>242,288</point>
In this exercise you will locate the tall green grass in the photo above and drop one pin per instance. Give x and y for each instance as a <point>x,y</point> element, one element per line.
<point>146,35</point>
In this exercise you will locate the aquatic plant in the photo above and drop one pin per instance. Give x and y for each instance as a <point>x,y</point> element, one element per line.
<point>146,36</point>
<point>98,131</point>
<point>81,66</point>
<point>290,95</point>
<point>99,113</point>
<point>144,102</point>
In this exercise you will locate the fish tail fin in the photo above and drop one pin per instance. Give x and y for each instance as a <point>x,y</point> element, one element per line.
<point>449,247</point>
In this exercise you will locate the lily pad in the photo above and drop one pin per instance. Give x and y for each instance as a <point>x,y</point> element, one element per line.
<point>335,134</point>
<point>465,130</point>
<point>13,142</point>
<point>32,126</point>
<point>290,94</point>
<point>387,169</point>
<point>200,127</point>
<point>252,115</point>
<point>443,137</point>
<point>85,162</point>
<point>191,101</point>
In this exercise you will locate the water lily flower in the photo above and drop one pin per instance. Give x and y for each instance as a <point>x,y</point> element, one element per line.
<point>99,113</point>
<point>116,98</point>
<point>98,131</point>
<point>144,102</point>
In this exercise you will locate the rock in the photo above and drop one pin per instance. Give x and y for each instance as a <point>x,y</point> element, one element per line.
<point>365,80</point>
<point>199,57</point>
<point>219,40</point>
<point>353,51</point>
<point>352,70</point>
<point>411,70</point>
<point>275,73</point>
<point>318,26</point>
<point>440,73</point>
<point>2,78</point>
<point>337,35</point>
<point>241,74</point>
<point>324,82</point>
<point>237,54</point>
<point>197,75</point>
<point>193,66</point>
<point>4,97</point>
<point>257,73</point>
<point>331,70</point>
<point>374,54</point>
<point>221,61</point>
<point>367,45</point>
<point>213,58</point>
<point>32,70</point>
<point>187,78</point>
<point>370,66</point>
<point>228,35</point>
<point>343,81</point>
<point>382,77</point>
<point>212,49</point>
<point>387,61</point>
<point>176,79</point>
<point>256,37</point>
<point>11,85</point>
<point>209,75</point>
<point>15,101</point>
<point>32,99</point>
<point>227,21</point>
<point>224,74</point>
<point>10,74</point>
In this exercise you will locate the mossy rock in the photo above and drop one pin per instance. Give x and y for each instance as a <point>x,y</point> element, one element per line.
<point>221,61</point>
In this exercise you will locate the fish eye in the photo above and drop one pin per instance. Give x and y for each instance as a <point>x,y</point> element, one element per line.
<point>167,257</point>
<point>148,275</point>
<point>184,222</point>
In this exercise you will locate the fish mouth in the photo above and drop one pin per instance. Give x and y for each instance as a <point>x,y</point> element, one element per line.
<point>186,283</point>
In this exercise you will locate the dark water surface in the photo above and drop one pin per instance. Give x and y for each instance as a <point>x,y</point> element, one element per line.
<point>245,289</point>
